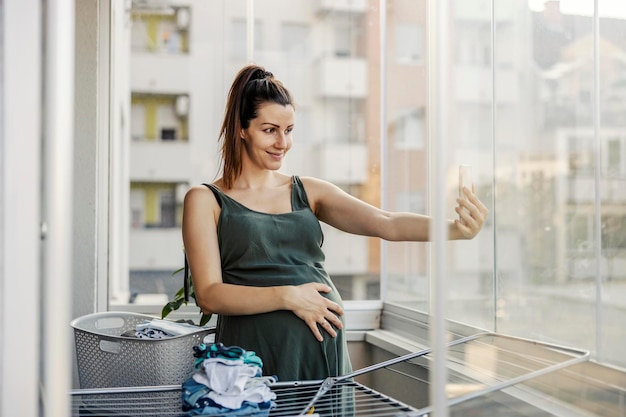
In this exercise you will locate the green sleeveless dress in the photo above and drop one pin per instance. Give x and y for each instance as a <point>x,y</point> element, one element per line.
<point>263,250</point>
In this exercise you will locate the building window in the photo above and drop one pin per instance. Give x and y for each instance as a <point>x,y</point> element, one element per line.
<point>580,233</point>
<point>580,154</point>
<point>614,157</point>
<point>167,201</point>
<point>409,43</point>
<point>613,232</point>
<point>344,35</point>
<point>160,30</point>
<point>343,40</point>
<point>239,36</point>
<point>155,205</point>
<point>159,117</point>
<point>137,122</point>
<point>409,129</point>
<point>296,40</point>
<point>137,208</point>
<point>168,133</point>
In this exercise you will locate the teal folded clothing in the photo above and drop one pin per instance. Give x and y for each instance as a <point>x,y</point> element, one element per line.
<point>228,381</point>
<point>218,350</point>
<point>196,402</point>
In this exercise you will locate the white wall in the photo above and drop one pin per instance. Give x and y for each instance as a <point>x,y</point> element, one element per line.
<point>20,124</point>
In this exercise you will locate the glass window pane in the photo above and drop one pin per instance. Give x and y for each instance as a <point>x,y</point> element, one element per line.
<point>409,43</point>
<point>406,147</point>
<point>322,55</point>
<point>176,104</point>
<point>613,182</point>
<point>521,114</point>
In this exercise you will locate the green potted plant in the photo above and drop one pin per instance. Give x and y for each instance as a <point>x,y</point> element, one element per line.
<point>180,299</point>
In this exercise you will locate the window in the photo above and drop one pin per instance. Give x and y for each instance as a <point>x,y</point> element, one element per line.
<point>579,233</point>
<point>155,205</point>
<point>159,116</point>
<point>615,157</point>
<point>580,155</point>
<point>160,30</point>
<point>138,122</point>
<point>343,39</point>
<point>168,133</point>
<point>409,44</point>
<point>167,201</point>
<point>137,208</point>
<point>239,38</point>
<point>296,41</point>
<point>614,233</point>
<point>410,130</point>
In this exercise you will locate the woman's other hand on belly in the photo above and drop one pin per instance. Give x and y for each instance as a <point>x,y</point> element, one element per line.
<point>318,312</point>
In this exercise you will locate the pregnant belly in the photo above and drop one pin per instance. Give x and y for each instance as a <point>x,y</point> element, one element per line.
<point>284,343</point>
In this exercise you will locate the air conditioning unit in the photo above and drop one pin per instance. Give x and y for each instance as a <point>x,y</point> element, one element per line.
<point>183,17</point>
<point>181,106</point>
<point>180,191</point>
<point>151,7</point>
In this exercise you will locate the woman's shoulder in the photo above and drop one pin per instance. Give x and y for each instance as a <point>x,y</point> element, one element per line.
<point>316,189</point>
<point>314,183</point>
<point>201,194</point>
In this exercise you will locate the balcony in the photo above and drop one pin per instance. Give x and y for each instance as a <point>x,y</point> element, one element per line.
<point>582,189</point>
<point>488,374</point>
<point>581,265</point>
<point>352,6</point>
<point>473,84</point>
<point>159,72</point>
<point>342,77</point>
<point>155,249</point>
<point>479,11</point>
<point>341,163</point>
<point>160,161</point>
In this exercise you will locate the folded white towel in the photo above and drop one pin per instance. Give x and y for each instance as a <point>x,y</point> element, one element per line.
<point>172,328</point>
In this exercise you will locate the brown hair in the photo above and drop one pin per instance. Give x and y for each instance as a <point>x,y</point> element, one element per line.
<point>253,86</point>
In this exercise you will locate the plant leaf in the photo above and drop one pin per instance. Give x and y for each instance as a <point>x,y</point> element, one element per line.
<point>171,306</point>
<point>167,309</point>
<point>204,319</point>
<point>180,293</point>
<point>179,300</point>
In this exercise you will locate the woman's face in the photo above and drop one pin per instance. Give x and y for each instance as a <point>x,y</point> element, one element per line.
<point>268,138</point>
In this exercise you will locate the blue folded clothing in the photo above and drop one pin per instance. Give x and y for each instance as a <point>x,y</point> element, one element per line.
<point>228,382</point>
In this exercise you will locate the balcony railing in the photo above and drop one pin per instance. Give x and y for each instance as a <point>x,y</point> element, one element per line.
<point>353,6</point>
<point>160,161</point>
<point>159,72</point>
<point>342,77</point>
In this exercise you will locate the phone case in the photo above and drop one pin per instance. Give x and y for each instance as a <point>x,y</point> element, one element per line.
<point>465,178</point>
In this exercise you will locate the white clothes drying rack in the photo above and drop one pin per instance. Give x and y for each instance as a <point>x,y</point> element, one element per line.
<point>512,361</point>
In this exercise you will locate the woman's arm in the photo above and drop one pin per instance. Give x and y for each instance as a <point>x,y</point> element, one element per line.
<point>200,215</point>
<point>339,209</point>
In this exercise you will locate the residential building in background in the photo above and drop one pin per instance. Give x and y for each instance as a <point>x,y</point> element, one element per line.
<point>520,113</point>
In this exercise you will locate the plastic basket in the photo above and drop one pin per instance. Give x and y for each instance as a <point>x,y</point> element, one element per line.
<point>107,359</point>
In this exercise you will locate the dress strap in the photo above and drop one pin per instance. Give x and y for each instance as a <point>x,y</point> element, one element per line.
<point>217,192</point>
<point>299,200</point>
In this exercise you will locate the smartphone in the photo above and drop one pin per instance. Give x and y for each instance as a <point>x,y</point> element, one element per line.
<point>465,178</point>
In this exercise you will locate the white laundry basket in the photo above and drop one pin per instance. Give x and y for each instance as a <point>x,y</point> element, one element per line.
<point>107,359</point>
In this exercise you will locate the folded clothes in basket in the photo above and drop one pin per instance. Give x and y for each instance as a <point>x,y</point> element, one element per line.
<point>228,380</point>
<point>161,329</point>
